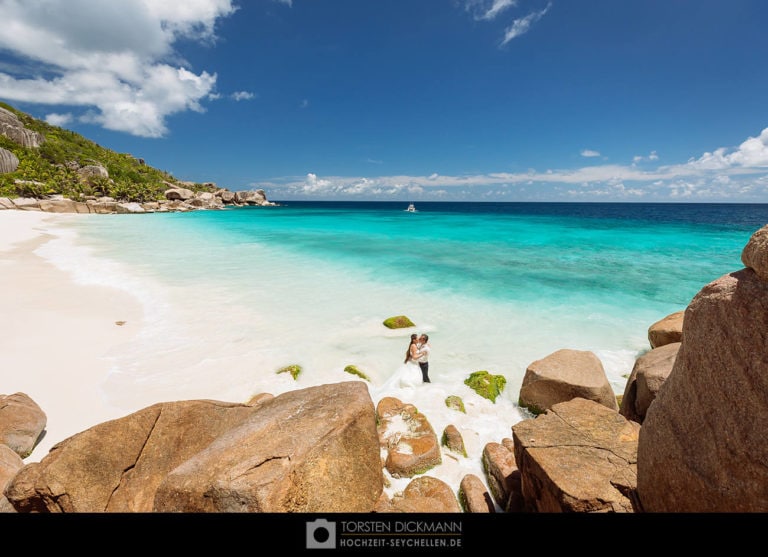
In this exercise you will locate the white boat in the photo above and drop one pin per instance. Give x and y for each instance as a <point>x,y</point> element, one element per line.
<point>411,208</point>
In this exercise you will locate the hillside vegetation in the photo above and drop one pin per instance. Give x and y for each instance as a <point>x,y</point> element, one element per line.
<point>53,167</point>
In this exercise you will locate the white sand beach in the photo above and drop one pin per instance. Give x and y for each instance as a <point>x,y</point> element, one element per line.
<point>59,336</point>
<point>54,333</point>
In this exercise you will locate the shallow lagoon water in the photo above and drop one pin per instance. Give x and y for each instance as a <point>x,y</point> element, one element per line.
<point>232,296</point>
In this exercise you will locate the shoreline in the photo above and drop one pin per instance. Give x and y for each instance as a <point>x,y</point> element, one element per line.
<point>63,348</point>
<point>56,333</point>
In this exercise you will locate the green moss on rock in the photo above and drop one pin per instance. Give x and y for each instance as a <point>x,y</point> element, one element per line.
<point>398,322</point>
<point>454,402</point>
<point>486,384</point>
<point>351,369</point>
<point>446,442</point>
<point>294,370</point>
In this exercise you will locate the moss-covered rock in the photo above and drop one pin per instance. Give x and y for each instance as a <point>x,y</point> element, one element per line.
<point>353,370</point>
<point>455,403</point>
<point>398,322</point>
<point>294,370</point>
<point>453,441</point>
<point>486,384</point>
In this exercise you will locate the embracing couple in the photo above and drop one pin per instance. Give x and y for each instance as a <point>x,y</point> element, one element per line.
<point>418,354</point>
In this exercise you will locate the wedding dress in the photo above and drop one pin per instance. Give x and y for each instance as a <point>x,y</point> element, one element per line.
<point>407,375</point>
<point>410,374</point>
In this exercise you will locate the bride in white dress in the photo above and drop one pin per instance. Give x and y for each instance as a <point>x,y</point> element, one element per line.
<point>408,374</point>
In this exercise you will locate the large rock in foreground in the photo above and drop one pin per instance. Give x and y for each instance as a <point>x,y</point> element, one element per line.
<point>562,376</point>
<point>703,446</point>
<point>578,457</point>
<point>302,451</point>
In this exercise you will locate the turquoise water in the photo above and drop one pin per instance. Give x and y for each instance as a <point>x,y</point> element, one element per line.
<point>528,276</point>
<point>231,296</point>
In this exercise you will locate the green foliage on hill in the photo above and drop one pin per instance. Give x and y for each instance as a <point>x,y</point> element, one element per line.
<point>49,169</point>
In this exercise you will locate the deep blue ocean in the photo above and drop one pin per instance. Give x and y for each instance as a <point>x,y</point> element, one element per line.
<point>230,296</point>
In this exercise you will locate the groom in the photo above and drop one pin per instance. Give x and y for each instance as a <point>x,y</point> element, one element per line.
<point>423,347</point>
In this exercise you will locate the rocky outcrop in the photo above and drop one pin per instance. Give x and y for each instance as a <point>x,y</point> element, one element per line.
<point>703,446</point>
<point>26,203</point>
<point>648,375</point>
<point>176,200</point>
<point>407,437</point>
<point>209,456</point>
<point>563,375</point>
<point>503,475</point>
<point>91,172</point>
<point>129,208</point>
<point>474,497</point>
<point>179,194</point>
<point>22,422</point>
<point>226,196</point>
<point>453,441</point>
<point>755,253</point>
<point>10,464</point>
<point>666,330</point>
<point>578,457</point>
<point>12,128</point>
<point>8,161</point>
<point>63,206</point>
<point>424,494</point>
<point>250,197</point>
<point>256,468</point>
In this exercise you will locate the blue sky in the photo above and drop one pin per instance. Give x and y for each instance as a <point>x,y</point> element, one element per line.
<point>482,100</point>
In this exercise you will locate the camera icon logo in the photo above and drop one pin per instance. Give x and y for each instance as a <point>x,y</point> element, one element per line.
<point>321,534</point>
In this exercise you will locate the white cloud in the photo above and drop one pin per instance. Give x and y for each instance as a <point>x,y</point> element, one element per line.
<point>523,25</point>
<point>651,157</point>
<point>487,10</point>
<point>589,153</point>
<point>740,174</point>
<point>243,95</point>
<point>312,184</point>
<point>60,120</point>
<point>752,153</point>
<point>115,60</point>
<point>304,103</point>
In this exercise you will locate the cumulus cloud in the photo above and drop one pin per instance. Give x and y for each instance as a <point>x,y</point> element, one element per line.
<point>753,152</point>
<point>589,153</point>
<point>523,25</point>
<point>59,120</point>
<point>739,174</point>
<point>115,60</point>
